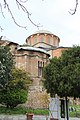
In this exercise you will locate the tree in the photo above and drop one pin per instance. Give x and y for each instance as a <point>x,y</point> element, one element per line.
<point>12,97</point>
<point>6,66</point>
<point>20,5</point>
<point>14,83</point>
<point>16,91</point>
<point>51,73</point>
<point>73,11</point>
<point>62,75</point>
<point>20,76</point>
<point>71,69</point>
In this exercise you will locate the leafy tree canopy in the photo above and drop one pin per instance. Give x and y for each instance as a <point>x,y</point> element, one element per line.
<point>6,65</point>
<point>16,91</point>
<point>20,79</point>
<point>62,75</point>
<point>14,82</point>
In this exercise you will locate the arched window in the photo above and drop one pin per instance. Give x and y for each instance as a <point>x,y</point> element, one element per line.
<point>30,42</point>
<point>35,40</point>
<point>48,40</point>
<point>54,41</point>
<point>41,39</point>
<point>40,68</point>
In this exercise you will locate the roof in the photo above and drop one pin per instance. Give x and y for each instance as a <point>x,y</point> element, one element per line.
<point>8,42</point>
<point>43,31</point>
<point>33,49</point>
<point>61,47</point>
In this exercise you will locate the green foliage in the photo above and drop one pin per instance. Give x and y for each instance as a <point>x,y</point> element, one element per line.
<point>75,112</point>
<point>62,75</point>
<point>21,78</point>
<point>12,97</point>
<point>52,76</point>
<point>16,91</point>
<point>6,65</point>
<point>21,110</point>
<point>14,83</point>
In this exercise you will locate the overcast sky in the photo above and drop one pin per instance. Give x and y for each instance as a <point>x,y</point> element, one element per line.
<point>52,15</point>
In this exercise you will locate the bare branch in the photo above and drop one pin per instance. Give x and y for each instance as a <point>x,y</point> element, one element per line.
<point>28,14</point>
<point>73,11</point>
<point>1,37</point>
<point>7,6</point>
<point>20,6</point>
<point>1,10</point>
<point>1,28</point>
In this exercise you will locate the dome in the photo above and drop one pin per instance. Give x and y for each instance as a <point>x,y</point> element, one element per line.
<point>46,33</point>
<point>43,31</point>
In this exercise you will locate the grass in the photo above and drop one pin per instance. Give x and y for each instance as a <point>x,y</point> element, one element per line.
<point>75,112</point>
<point>20,110</point>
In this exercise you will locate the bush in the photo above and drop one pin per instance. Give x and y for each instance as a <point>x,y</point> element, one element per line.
<point>16,90</point>
<point>12,97</point>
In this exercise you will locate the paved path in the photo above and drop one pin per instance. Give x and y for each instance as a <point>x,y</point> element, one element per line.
<point>23,117</point>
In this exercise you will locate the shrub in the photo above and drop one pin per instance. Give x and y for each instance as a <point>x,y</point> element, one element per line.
<point>12,97</point>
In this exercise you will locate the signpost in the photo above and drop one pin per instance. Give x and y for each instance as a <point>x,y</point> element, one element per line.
<point>54,108</point>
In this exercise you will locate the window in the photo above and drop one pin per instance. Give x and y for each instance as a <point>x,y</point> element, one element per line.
<point>30,42</point>
<point>39,68</point>
<point>43,64</point>
<point>48,40</point>
<point>35,40</point>
<point>54,40</point>
<point>41,39</point>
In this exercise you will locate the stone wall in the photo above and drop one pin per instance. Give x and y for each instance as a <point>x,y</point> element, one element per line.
<point>37,98</point>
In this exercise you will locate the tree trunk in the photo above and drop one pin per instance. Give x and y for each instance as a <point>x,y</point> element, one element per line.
<point>67,112</point>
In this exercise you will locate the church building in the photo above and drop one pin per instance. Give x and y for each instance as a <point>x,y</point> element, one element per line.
<point>33,56</point>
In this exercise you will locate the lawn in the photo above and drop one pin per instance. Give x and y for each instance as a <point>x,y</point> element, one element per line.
<point>75,112</point>
<point>19,110</point>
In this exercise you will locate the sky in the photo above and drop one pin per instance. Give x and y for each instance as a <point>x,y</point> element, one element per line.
<point>51,15</point>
